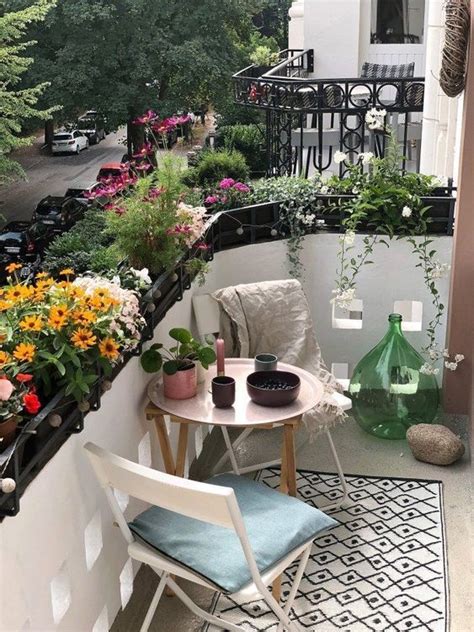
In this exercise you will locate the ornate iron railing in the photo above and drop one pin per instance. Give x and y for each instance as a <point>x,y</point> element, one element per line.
<point>308,119</point>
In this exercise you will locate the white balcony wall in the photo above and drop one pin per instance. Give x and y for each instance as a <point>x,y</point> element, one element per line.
<point>63,562</point>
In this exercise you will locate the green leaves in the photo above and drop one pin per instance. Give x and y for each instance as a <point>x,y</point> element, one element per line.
<point>181,335</point>
<point>187,350</point>
<point>151,360</point>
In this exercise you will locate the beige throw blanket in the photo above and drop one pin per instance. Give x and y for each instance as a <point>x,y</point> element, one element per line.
<point>274,317</point>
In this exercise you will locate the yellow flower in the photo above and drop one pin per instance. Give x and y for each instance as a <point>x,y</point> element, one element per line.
<point>4,305</point>
<point>66,272</point>
<point>57,322</point>
<point>109,349</point>
<point>17,293</point>
<point>59,311</point>
<point>11,267</point>
<point>31,323</point>
<point>41,275</point>
<point>4,358</point>
<point>83,338</point>
<point>74,291</point>
<point>44,284</point>
<point>25,352</point>
<point>84,316</point>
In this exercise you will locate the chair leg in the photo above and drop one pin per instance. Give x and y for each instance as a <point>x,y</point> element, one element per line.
<point>340,473</point>
<point>207,616</point>
<point>230,451</point>
<point>296,582</point>
<point>283,618</point>
<point>154,603</point>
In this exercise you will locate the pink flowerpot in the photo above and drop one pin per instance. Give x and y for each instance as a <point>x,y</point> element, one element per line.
<point>181,385</point>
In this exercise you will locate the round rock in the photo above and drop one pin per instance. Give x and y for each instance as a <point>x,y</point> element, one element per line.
<point>433,443</point>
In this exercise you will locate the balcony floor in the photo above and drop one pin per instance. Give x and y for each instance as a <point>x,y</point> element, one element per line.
<point>360,454</point>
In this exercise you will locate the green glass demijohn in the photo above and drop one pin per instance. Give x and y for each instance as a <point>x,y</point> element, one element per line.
<point>389,394</point>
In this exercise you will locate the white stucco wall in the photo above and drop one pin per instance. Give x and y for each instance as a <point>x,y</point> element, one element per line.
<point>44,545</point>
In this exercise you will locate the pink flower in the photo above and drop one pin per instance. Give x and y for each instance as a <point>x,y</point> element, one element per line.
<point>240,186</point>
<point>6,389</point>
<point>183,119</point>
<point>144,150</point>
<point>211,199</point>
<point>148,117</point>
<point>202,246</point>
<point>226,183</point>
<point>144,166</point>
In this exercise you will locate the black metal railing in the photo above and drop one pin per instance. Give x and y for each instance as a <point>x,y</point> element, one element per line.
<point>308,120</point>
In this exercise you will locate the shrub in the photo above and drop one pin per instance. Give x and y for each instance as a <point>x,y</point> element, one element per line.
<point>249,141</point>
<point>79,248</point>
<point>214,166</point>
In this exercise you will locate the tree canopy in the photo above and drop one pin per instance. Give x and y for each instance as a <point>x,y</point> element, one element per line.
<point>17,104</point>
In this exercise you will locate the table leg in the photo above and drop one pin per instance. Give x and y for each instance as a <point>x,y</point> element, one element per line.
<point>284,468</point>
<point>182,449</point>
<point>165,445</point>
<point>289,443</point>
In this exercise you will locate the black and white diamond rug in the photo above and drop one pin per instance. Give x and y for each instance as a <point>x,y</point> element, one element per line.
<point>382,570</point>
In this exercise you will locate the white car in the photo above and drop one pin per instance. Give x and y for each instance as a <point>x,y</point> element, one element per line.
<point>70,142</point>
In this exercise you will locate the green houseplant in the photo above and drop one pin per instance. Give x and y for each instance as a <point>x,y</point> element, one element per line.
<point>178,363</point>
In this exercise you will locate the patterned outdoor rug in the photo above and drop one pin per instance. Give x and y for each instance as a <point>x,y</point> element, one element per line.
<point>383,569</point>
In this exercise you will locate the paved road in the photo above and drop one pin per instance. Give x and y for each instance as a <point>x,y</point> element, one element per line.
<point>52,175</point>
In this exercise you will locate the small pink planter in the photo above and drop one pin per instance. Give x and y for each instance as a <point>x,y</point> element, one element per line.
<point>181,385</point>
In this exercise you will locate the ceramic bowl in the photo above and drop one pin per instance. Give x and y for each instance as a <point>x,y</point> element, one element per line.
<point>264,387</point>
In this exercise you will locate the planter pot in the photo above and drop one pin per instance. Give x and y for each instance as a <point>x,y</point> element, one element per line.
<point>8,432</point>
<point>181,385</point>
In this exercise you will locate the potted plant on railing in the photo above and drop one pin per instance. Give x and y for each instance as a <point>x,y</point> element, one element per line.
<point>179,363</point>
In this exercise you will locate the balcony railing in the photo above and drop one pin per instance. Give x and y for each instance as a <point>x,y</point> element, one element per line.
<point>309,119</point>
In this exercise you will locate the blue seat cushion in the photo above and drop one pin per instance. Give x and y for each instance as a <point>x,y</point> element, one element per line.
<point>276,525</point>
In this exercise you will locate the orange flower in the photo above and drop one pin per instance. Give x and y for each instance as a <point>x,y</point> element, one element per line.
<point>83,339</point>
<point>4,305</point>
<point>59,311</point>
<point>11,267</point>
<point>4,358</point>
<point>74,291</point>
<point>109,349</point>
<point>57,322</point>
<point>66,272</point>
<point>17,293</point>
<point>84,316</point>
<point>31,323</point>
<point>25,352</point>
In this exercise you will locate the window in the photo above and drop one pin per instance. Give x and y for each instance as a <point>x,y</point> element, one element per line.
<point>397,21</point>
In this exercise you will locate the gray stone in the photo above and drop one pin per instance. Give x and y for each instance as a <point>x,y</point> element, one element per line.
<point>433,443</point>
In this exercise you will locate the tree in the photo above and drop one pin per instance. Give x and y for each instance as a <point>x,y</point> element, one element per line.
<point>127,56</point>
<point>17,105</point>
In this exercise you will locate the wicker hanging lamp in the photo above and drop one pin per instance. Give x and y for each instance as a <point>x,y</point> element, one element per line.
<point>452,76</point>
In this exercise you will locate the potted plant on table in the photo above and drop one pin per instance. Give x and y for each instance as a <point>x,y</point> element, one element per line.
<point>179,363</point>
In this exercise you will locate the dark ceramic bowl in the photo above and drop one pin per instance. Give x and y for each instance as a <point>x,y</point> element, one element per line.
<point>273,388</point>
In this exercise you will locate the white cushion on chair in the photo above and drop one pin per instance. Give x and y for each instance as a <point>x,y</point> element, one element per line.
<point>276,524</point>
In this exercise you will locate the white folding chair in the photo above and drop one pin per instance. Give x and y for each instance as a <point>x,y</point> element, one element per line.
<point>206,312</point>
<point>182,514</point>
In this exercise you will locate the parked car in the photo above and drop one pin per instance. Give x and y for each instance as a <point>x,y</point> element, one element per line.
<point>71,142</point>
<point>80,193</point>
<point>24,242</point>
<point>59,212</point>
<point>111,170</point>
<point>93,126</point>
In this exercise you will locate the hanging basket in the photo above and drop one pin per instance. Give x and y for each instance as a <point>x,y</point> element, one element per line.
<point>452,76</point>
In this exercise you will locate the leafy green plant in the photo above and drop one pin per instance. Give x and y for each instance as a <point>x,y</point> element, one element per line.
<point>181,355</point>
<point>249,140</point>
<point>264,56</point>
<point>213,166</point>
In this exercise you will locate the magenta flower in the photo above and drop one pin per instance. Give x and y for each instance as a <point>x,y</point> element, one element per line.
<point>211,199</point>
<point>241,187</point>
<point>183,119</point>
<point>144,166</point>
<point>146,118</point>
<point>144,150</point>
<point>226,183</point>
<point>202,246</point>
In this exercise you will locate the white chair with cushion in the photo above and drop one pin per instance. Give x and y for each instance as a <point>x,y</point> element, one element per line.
<point>206,312</point>
<point>230,534</point>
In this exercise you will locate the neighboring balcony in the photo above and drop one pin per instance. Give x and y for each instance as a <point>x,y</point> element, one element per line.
<point>308,119</point>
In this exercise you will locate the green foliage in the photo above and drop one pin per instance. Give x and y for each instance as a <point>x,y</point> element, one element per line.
<point>181,355</point>
<point>213,166</point>
<point>264,56</point>
<point>249,140</point>
<point>86,247</point>
<point>17,104</point>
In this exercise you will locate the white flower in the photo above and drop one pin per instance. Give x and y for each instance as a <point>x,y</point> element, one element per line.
<point>367,157</point>
<point>348,238</point>
<point>339,157</point>
<point>451,366</point>
<point>439,270</point>
<point>406,212</point>
<point>142,274</point>
<point>343,298</point>
<point>355,191</point>
<point>446,353</point>
<point>433,354</point>
<point>458,357</point>
<point>116,279</point>
<point>324,189</point>
<point>375,118</point>
<point>428,369</point>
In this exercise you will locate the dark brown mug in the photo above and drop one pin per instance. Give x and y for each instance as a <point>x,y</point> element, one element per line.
<point>223,391</point>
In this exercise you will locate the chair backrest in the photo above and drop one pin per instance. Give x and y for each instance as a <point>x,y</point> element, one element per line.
<point>387,71</point>
<point>209,503</point>
<point>206,312</point>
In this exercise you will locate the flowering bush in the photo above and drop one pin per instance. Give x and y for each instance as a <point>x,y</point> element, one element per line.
<point>213,166</point>
<point>62,331</point>
<point>17,393</point>
<point>228,194</point>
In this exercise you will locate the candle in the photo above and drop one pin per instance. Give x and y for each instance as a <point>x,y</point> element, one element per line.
<point>220,356</point>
